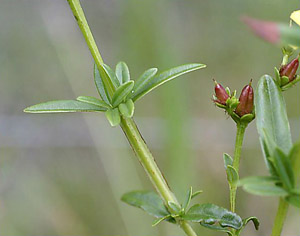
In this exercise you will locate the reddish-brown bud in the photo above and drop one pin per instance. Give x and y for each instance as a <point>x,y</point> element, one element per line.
<point>290,69</point>
<point>221,94</point>
<point>246,99</point>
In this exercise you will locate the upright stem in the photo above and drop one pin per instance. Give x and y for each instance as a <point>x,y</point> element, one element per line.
<point>129,127</point>
<point>88,36</point>
<point>147,160</point>
<point>280,217</point>
<point>241,127</point>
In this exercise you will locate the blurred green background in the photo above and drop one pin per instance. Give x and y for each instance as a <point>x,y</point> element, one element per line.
<point>64,174</point>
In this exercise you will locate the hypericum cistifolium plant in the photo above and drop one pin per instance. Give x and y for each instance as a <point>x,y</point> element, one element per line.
<point>127,91</point>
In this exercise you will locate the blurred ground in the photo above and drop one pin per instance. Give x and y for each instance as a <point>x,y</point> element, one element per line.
<point>64,174</point>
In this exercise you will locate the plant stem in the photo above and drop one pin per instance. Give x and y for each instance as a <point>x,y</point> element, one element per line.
<point>280,217</point>
<point>88,36</point>
<point>241,127</point>
<point>146,159</point>
<point>129,127</point>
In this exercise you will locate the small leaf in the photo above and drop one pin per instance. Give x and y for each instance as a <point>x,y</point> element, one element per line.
<point>216,228</point>
<point>232,175</point>
<point>127,108</point>
<point>111,75</point>
<point>210,213</point>
<point>294,200</point>
<point>256,180</point>
<point>142,81</point>
<point>113,116</point>
<point>122,72</point>
<point>284,169</point>
<point>162,78</point>
<point>295,158</point>
<point>176,208</point>
<point>187,198</point>
<point>255,221</point>
<point>148,201</point>
<point>227,160</point>
<point>63,106</point>
<point>195,194</point>
<point>94,101</point>
<point>265,189</point>
<point>99,84</point>
<point>157,221</point>
<point>122,92</point>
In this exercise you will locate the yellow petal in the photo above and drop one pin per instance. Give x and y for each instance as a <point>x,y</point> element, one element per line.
<point>295,16</point>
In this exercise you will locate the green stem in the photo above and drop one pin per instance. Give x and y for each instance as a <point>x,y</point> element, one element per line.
<point>129,127</point>
<point>280,217</point>
<point>146,159</point>
<point>88,36</point>
<point>241,127</point>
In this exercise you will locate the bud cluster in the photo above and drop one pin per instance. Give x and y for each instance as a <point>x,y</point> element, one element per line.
<point>287,76</point>
<point>241,109</point>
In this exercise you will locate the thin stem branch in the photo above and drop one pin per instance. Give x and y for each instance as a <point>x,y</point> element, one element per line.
<point>280,217</point>
<point>241,127</point>
<point>129,127</point>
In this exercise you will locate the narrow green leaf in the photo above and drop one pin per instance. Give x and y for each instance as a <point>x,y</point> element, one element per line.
<point>195,194</point>
<point>271,114</point>
<point>255,221</point>
<point>122,72</point>
<point>187,198</point>
<point>256,180</point>
<point>227,160</point>
<point>122,92</point>
<point>113,116</point>
<point>267,156</point>
<point>271,120</point>
<point>63,106</point>
<point>212,214</point>
<point>216,228</point>
<point>93,100</point>
<point>111,75</point>
<point>162,78</point>
<point>295,159</point>
<point>99,85</point>
<point>265,189</point>
<point>157,221</point>
<point>142,81</point>
<point>232,175</point>
<point>127,108</point>
<point>148,201</point>
<point>284,169</point>
<point>294,200</point>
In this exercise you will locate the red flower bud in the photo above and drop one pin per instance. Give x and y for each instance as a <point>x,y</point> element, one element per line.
<point>246,101</point>
<point>290,69</point>
<point>221,94</point>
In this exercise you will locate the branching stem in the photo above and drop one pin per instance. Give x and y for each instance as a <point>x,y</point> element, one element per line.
<point>129,127</point>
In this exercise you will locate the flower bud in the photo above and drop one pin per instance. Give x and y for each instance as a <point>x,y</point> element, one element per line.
<point>221,94</point>
<point>246,99</point>
<point>290,69</point>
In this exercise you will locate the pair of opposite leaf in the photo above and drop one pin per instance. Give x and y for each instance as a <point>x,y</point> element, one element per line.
<point>208,215</point>
<point>126,92</point>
